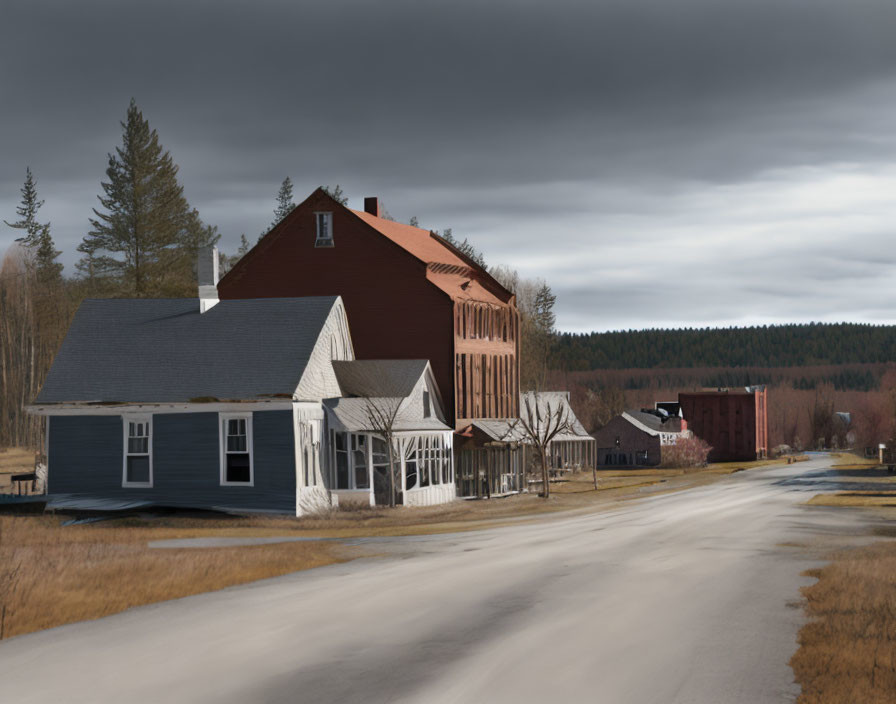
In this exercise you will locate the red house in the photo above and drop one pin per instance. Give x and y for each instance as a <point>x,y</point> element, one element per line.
<point>733,421</point>
<point>408,294</point>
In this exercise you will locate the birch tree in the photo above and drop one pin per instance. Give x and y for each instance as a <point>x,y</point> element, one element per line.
<point>539,424</point>
<point>381,416</point>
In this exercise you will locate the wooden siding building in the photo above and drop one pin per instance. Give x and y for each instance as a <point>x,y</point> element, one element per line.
<point>408,294</point>
<point>734,422</point>
<point>636,438</point>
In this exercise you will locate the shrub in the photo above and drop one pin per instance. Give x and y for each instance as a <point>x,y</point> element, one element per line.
<point>686,453</point>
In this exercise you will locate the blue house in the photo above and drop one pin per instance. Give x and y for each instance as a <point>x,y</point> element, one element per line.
<point>190,403</point>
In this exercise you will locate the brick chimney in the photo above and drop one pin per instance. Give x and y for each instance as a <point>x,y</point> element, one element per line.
<point>372,205</point>
<point>207,273</point>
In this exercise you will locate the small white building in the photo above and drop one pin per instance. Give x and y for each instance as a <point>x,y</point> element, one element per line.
<point>376,394</point>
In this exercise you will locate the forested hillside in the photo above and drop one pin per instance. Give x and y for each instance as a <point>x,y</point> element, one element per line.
<point>810,344</point>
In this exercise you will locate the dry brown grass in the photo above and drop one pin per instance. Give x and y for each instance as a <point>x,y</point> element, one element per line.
<point>80,572</point>
<point>855,499</point>
<point>848,651</point>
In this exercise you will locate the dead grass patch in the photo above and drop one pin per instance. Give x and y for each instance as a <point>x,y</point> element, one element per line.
<point>848,651</point>
<point>74,573</point>
<point>855,499</point>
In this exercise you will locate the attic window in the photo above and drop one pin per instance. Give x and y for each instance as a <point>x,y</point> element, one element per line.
<point>324,222</point>
<point>427,410</point>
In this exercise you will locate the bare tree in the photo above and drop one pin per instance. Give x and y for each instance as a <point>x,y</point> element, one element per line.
<point>381,416</point>
<point>541,421</point>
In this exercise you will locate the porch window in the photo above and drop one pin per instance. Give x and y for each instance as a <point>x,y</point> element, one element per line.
<point>137,452</point>
<point>410,465</point>
<point>359,461</point>
<point>447,450</point>
<point>349,470</point>
<point>340,469</point>
<point>236,450</point>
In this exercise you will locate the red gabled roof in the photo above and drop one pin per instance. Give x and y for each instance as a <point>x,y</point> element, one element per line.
<point>416,240</point>
<point>446,268</point>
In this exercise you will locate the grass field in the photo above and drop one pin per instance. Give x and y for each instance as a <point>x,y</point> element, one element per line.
<point>847,652</point>
<point>52,574</point>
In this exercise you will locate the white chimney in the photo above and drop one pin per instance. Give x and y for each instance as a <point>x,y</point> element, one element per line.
<point>208,278</point>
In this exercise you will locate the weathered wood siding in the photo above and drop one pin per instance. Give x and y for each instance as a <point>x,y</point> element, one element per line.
<point>86,455</point>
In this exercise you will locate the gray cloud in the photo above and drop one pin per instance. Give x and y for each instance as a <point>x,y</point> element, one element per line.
<point>570,139</point>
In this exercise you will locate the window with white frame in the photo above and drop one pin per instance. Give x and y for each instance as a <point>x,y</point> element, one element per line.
<point>410,465</point>
<point>324,224</point>
<point>137,451</point>
<point>236,450</point>
<point>359,462</point>
<point>349,468</point>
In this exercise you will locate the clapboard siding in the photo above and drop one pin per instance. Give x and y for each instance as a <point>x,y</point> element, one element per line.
<point>87,455</point>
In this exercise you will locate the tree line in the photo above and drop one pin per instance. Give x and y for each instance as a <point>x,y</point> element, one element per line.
<point>759,346</point>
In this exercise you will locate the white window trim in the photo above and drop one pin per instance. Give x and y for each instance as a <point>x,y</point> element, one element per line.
<point>222,448</point>
<point>323,241</point>
<point>126,420</point>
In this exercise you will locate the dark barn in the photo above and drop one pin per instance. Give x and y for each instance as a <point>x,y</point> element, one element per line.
<point>733,421</point>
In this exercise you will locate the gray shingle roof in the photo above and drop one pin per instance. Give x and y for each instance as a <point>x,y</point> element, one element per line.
<point>510,430</point>
<point>379,378</point>
<point>654,422</point>
<point>352,413</point>
<point>164,350</point>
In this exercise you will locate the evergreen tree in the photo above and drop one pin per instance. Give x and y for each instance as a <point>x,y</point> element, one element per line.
<point>544,309</point>
<point>285,203</point>
<point>244,246</point>
<point>465,247</point>
<point>146,239</point>
<point>37,237</point>
<point>336,194</point>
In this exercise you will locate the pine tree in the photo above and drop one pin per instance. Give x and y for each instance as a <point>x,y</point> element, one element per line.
<point>147,238</point>
<point>336,194</point>
<point>544,309</point>
<point>285,203</point>
<point>465,247</point>
<point>37,240</point>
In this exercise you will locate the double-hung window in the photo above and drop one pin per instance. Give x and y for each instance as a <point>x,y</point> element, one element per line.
<point>236,450</point>
<point>324,225</point>
<point>137,451</point>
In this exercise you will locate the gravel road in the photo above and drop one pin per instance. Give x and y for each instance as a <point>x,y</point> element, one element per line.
<point>684,597</point>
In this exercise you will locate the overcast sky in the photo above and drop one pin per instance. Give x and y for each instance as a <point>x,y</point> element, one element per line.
<point>658,162</point>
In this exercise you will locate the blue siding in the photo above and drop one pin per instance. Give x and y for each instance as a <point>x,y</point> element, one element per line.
<point>86,455</point>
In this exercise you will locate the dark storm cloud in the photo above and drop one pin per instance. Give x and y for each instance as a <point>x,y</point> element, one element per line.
<point>590,121</point>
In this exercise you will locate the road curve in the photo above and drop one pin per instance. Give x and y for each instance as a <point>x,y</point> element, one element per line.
<point>682,597</point>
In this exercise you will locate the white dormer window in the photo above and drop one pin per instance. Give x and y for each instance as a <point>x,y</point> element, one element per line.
<point>324,223</point>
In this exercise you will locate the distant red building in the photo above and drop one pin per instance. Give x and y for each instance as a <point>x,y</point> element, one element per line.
<point>408,294</point>
<point>733,421</point>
